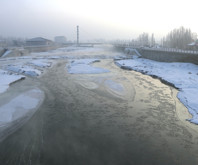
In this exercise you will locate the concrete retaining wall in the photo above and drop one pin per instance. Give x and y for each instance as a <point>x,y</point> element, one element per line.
<point>164,56</point>
<point>40,48</point>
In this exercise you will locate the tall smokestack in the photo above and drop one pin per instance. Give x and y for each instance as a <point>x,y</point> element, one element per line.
<point>77,35</point>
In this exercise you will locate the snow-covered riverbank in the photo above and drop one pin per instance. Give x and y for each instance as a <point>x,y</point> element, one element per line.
<point>183,76</point>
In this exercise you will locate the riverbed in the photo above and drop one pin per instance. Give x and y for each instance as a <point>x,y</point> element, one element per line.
<point>119,117</point>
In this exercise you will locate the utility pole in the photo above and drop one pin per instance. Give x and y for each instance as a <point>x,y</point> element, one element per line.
<point>77,35</point>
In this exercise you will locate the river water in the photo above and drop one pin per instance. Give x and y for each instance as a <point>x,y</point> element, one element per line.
<point>116,118</point>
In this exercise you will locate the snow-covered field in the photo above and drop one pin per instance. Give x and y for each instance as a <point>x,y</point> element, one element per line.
<point>183,76</point>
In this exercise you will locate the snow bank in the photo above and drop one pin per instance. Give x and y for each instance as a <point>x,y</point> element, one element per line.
<point>83,66</point>
<point>183,76</point>
<point>6,79</point>
<point>24,69</point>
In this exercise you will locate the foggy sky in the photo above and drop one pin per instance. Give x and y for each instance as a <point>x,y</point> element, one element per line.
<point>108,19</point>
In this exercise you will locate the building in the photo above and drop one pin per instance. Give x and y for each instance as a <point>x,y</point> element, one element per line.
<point>193,45</point>
<point>60,40</point>
<point>38,41</point>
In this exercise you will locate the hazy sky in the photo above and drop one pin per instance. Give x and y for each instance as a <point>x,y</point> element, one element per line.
<point>109,19</point>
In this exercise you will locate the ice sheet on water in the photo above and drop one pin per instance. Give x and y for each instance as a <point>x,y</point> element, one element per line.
<point>19,110</point>
<point>20,106</point>
<point>114,85</point>
<point>82,66</point>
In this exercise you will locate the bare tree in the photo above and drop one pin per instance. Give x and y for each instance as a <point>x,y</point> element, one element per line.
<point>178,38</point>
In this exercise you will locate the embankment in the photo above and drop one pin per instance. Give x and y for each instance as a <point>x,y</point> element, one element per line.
<point>166,56</point>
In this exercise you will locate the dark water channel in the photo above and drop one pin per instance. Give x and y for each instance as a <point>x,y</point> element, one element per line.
<point>83,121</point>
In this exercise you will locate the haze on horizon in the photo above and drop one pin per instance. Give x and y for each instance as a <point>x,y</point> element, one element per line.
<point>108,19</point>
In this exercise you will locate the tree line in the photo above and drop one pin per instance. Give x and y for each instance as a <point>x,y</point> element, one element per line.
<point>178,38</point>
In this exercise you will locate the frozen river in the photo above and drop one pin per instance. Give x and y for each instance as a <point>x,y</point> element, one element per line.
<point>117,117</point>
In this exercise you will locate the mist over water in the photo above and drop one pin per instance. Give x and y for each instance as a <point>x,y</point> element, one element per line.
<point>101,19</point>
<point>118,117</point>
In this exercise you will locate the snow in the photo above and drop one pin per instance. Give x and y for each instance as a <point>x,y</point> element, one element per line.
<point>40,63</point>
<point>183,76</point>
<point>20,106</point>
<point>6,79</point>
<point>24,69</point>
<point>83,66</point>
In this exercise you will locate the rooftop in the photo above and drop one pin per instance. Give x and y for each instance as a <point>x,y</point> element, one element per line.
<point>37,39</point>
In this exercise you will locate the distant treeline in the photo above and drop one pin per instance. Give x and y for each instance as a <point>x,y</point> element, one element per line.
<point>178,38</point>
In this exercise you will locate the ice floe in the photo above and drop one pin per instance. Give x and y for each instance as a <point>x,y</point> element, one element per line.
<point>83,66</point>
<point>18,110</point>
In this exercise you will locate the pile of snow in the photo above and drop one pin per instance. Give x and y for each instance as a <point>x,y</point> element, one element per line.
<point>6,79</point>
<point>19,110</point>
<point>183,76</point>
<point>24,69</point>
<point>83,66</point>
